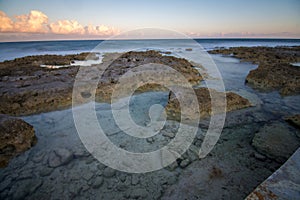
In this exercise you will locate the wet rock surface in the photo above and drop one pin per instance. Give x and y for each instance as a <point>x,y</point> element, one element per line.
<point>274,67</point>
<point>27,88</point>
<point>233,102</point>
<point>16,136</point>
<point>277,141</point>
<point>294,120</point>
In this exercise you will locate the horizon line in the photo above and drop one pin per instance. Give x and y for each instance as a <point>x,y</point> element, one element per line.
<point>127,39</point>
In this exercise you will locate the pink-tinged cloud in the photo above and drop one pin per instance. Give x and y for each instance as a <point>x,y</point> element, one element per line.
<point>6,24</point>
<point>34,22</point>
<point>66,27</point>
<point>37,22</point>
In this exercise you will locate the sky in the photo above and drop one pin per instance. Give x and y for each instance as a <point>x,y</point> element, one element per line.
<point>98,19</point>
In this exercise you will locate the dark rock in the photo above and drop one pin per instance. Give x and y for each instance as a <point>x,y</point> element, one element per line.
<point>234,102</point>
<point>276,141</point>
<point>46,171</point>
<point>274,71</point>
<point>259,157</point>
<point>135,179</point>
<point>98,182</point>
<point>59,157</point>
<point>184,163</point>
<point>26,88</point>
<point>294,120</point>
<point>16,136</point>
<point>109,172</point>
<point>168,134</point>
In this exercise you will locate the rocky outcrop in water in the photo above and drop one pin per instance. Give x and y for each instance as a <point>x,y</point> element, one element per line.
<point>27,88</point>
<point>274,69</point>
<point>233,102</point>
<point>294,120</point>
<point>16,136</point>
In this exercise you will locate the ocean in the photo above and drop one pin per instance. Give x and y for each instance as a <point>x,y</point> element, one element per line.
<point>231,168</point>
<point>12,50</point>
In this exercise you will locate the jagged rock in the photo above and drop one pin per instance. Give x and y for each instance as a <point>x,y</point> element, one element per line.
<point>274,71</point>
<point>26,88</point>
<point>276,141</point>
<point>16,136</point>
<point>294,120</point>
<point>59,157</point>
<point>281,76</point>
<point>233,100</point>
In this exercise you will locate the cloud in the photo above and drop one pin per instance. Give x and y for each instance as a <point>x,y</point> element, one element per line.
<point>6,24</point>
<point>37,22</point>
<point>66,27</point>
<point>34,22</point>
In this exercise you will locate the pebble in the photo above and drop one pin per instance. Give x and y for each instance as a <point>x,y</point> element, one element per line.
<point>172,166</point>
<point>260,157</point>
<point>98,182</point>
<point>59,157</point>
<point>122,187</point>
<point>87,175</point>
<point>150,140</point>
<point>184,163</point>
<point>168,134</point>
<point>135,179</point>
<point>109,172</point>
<point>46,171</point>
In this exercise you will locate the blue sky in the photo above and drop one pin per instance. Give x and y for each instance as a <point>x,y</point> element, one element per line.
<point>277,18</point>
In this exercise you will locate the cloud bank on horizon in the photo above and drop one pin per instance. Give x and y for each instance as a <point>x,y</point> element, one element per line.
<point>36,22</point>
<point>36,25</point>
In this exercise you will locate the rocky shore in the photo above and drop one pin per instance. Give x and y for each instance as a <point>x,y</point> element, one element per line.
<point>26,88</point>
<point>274,72</point>
<point>253,144</point>
<point>16,136</point>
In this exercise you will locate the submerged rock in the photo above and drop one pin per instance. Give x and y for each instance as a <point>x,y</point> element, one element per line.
<point>16,136</point>
<point>59,157</point>
<point>276,141</point>
<point>233,102</point>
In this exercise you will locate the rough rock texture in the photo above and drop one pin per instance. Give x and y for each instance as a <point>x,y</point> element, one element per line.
<point>233,102</point>
<point>283,184</point>
<point>294,120</point>
<point>281,76</point>
<point>276,141</point>
<point>27,88</point>
<point>274,70</point>
<point>16,136</point>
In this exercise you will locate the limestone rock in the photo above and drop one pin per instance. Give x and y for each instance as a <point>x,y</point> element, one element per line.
<point>294,120</point>
<point>276,141</point>
<point>16,136</point>
<point>233,100</point>
<point>274,71</point>
<point>59,157</point>
<point>26,88</point>
<point>109,172</point>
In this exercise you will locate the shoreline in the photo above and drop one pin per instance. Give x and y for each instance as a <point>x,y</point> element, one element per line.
<point>236,165</point>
